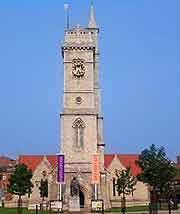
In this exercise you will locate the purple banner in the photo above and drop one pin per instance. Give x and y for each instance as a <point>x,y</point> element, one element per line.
<point>60,175</point>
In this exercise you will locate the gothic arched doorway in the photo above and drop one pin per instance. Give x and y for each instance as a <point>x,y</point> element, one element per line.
<point>81,199</point>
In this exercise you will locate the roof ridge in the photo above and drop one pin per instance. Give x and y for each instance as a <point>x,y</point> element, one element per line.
<point>127,154</point>
<point>36,155</point>
<point>123,154</point>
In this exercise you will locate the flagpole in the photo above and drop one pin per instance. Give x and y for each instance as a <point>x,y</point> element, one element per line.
<point>95,192</point>
<point>60,176</point>
<point>60,191</point>
<point>95,174</point>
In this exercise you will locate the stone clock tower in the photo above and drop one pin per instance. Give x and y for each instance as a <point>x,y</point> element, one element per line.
<point>81,120</point>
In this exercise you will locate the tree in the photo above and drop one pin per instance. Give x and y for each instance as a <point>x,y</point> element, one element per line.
<point>20,182</point>
<point>157,170</point>
<point>43,189</point>
<point>125,185</point>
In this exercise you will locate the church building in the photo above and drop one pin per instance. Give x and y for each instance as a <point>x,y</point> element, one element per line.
<point>82,130</point>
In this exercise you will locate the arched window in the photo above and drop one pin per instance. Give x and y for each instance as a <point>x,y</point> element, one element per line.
<point>79,126</point>
<point>114,186</point>
<point>43,189</point>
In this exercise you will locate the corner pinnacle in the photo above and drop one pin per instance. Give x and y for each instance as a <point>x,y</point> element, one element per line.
<point>92,20</point>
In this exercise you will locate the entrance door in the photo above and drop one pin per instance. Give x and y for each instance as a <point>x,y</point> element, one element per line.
<point>81,198</point>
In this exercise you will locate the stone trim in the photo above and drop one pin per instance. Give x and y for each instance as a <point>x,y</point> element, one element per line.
<point>76,47</point>
<point>100,117</point>
<point>78,114</point>
<point>77,162</point>
<point>79,92</point>
<point>70,62</point>
<point>70,172</point>
<point>101,144</point>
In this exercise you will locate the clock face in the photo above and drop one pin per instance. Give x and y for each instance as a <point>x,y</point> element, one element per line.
<point>78,67</point>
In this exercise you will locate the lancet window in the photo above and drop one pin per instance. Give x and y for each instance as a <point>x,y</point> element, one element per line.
<point>114,186</point>
<point>79,126</point>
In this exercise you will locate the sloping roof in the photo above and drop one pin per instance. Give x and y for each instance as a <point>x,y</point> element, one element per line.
<point>5,161</point>
<point>32,161</point>
<point>127,160</point>
<point>6,164</point>
<point>130,161</point>
<point>52,159</point>
<point>107,159</point>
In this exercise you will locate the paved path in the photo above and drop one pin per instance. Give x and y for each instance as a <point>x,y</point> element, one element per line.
<point>159,212</point>
<point>85,211</point>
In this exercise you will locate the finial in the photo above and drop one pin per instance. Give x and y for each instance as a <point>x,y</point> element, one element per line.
<point>66,8</point>
<point>92,20</point>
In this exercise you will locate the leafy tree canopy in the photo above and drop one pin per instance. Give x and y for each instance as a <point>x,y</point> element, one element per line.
<point>125,182</point>
<point>157,170</point>
<point>20,181</point>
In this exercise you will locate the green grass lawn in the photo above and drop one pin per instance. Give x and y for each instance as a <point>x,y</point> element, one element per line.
<point>138,208</point>
<point>130,209</point>
<point>24,211</point>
